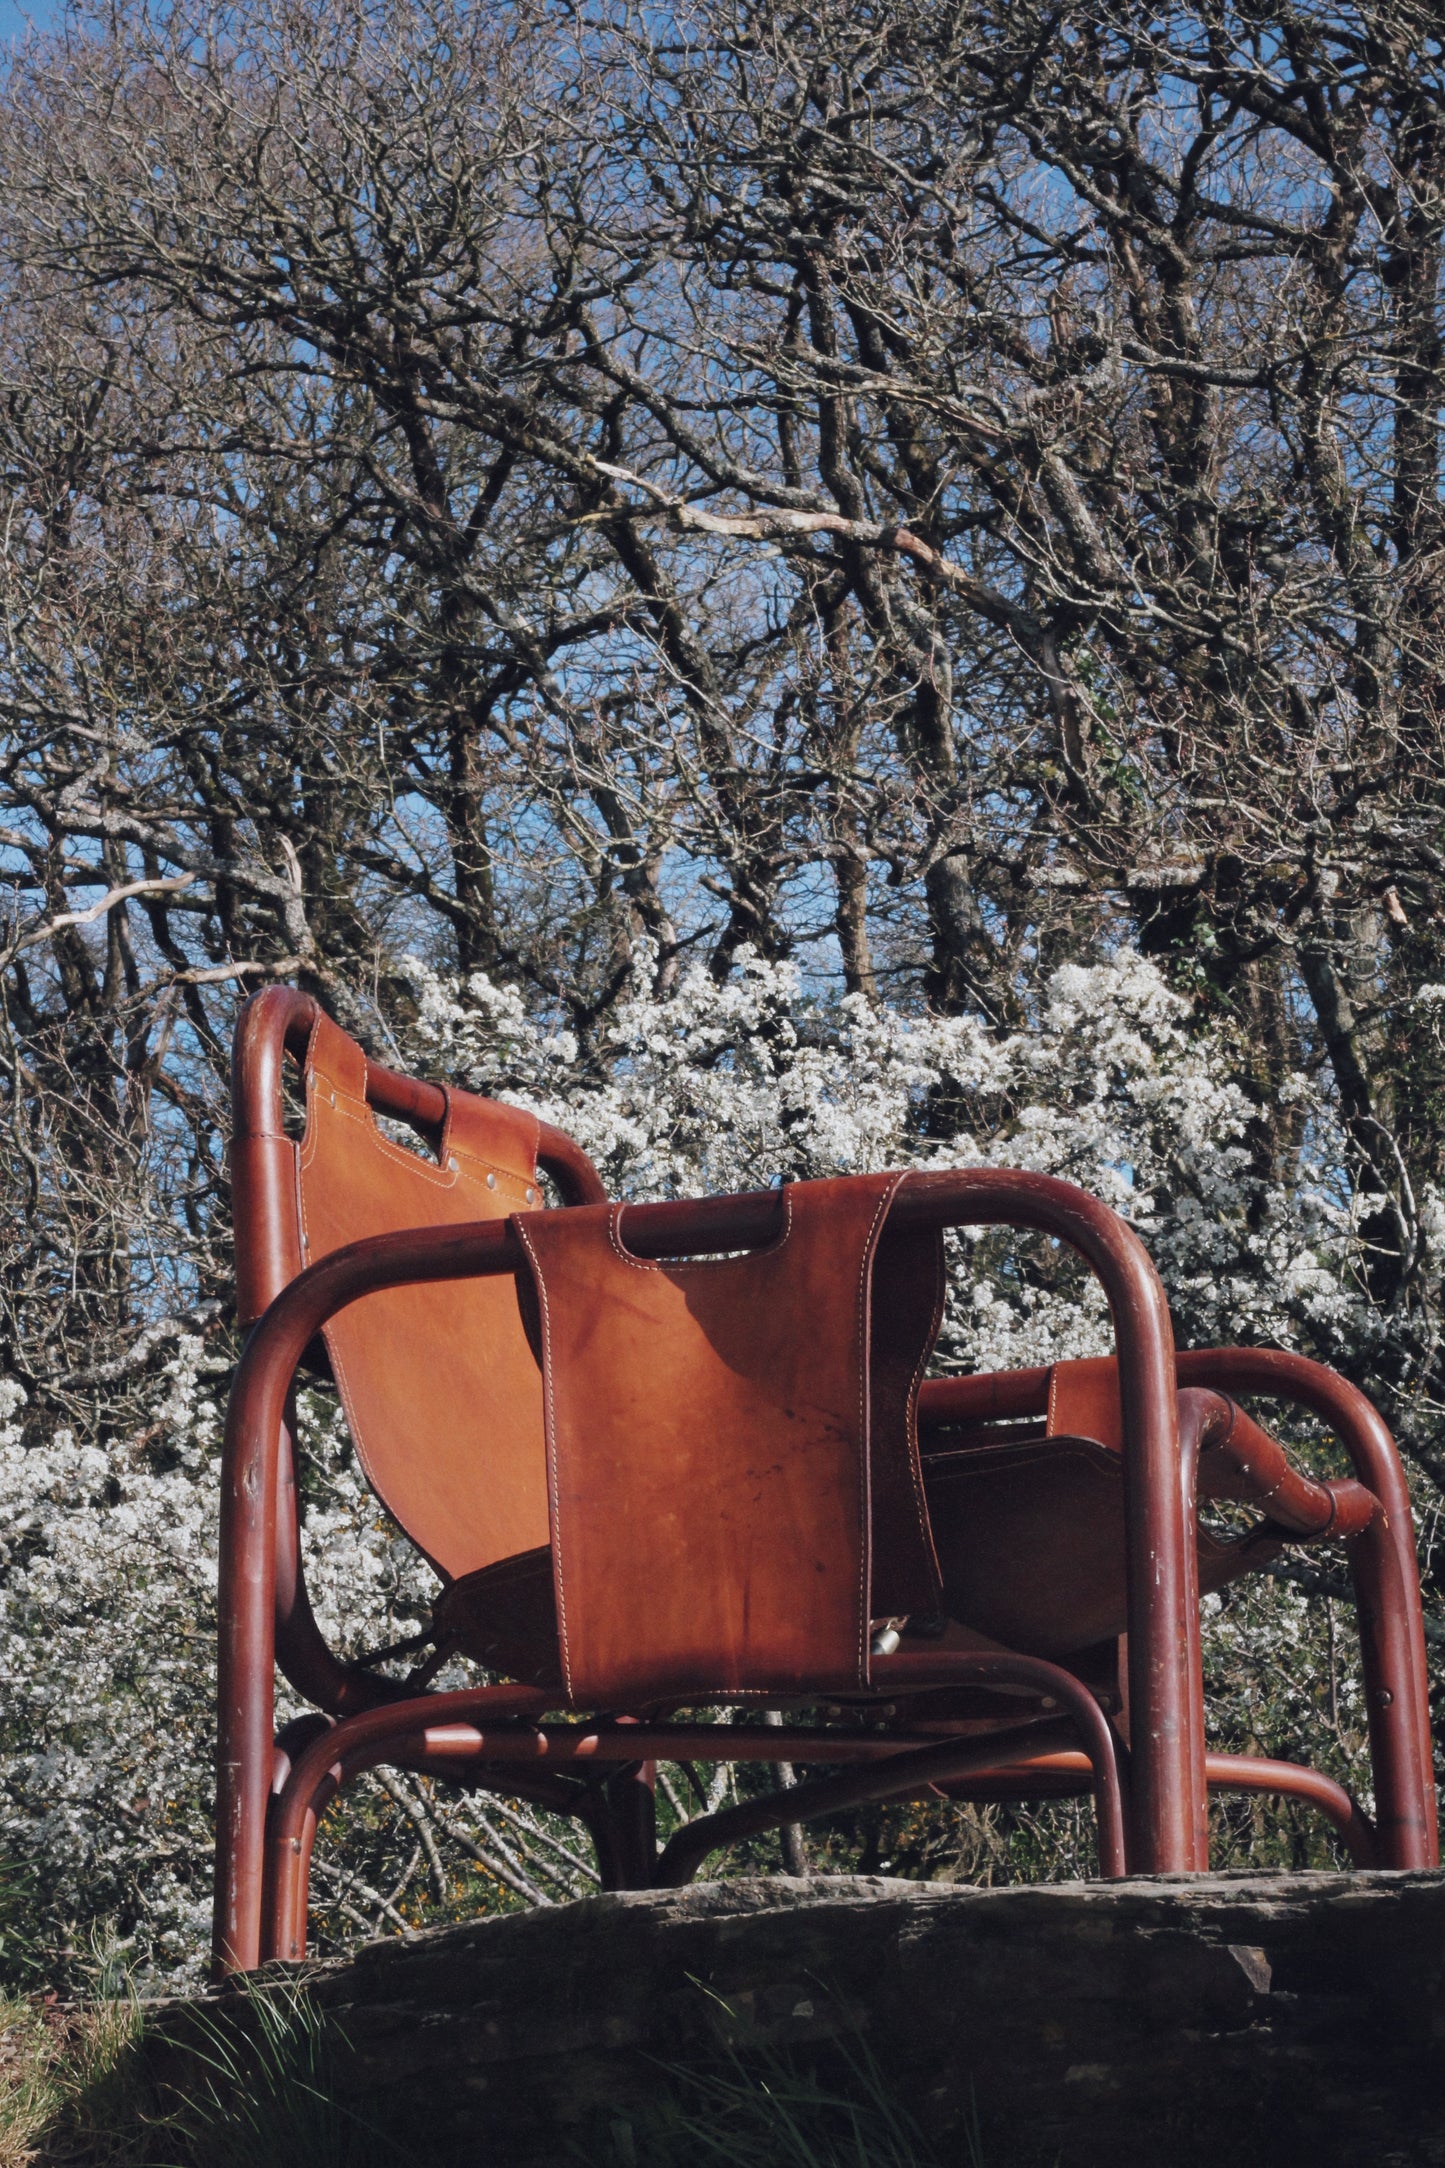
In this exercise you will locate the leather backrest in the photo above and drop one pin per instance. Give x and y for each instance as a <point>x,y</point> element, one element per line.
<point>441,1388</point>
<point>708,1444</point>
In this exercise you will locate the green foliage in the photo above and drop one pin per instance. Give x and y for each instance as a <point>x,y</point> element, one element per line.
<point>21,1956</point>
<point>270,2096</point>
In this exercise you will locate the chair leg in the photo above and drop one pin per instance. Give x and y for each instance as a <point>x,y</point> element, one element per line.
<point>400,1733</point>
<point>290,1842</point>
<point>288,1866</point>
<point>1164,1606</point>
<point>1395,1691</point>
<point>236,1929</point>
<point>245,1752</point>
<point>629,1858</point>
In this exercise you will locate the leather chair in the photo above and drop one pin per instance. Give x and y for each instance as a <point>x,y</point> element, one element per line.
<point>675,1456</point>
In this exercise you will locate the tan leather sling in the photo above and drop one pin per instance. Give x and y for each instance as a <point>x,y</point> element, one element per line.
<point>734,1484</point>
<point>440,1386</point>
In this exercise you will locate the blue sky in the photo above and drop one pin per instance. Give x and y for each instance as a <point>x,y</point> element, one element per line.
<point>15,14</point>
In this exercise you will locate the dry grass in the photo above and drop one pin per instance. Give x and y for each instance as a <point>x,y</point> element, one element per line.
<point>74,2091</point>
<point>27,2056</point>
<point>69,2089</point>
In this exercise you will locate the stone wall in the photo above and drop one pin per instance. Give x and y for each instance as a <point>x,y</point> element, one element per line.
<point>1236,2019</point>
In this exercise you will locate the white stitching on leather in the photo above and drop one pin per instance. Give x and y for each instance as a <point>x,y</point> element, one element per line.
<point>549,1413</point>
<point>910,1408</point>
<point>524,1177</point>
<point>865,1454</point>
<point>346,1108</point>
<point>642,1264</point>
<point>440,1176</point>
<point>864,1616</point>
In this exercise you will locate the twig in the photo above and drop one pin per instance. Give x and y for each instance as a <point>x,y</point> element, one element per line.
<point>140,1350</point>
<point>513,1876</point>
<point>790,1834</point>
<point>539,1835</point>
<point>87,917</point>
<point>372,1896</point>
<point>1316,1583</point>
<point>416,1813</point>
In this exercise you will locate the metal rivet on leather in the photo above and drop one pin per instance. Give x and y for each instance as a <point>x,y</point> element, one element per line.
<point>452,1161</point>
<point>531,1196</point>
<point>491,1181</point>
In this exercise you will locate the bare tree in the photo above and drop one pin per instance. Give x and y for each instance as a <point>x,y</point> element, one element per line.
<point>931,488</point>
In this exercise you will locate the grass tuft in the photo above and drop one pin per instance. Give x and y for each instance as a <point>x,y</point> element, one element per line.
<point>774,2108</point>
<point>75,2092</point>
<point>270,2097</point>
<point>69,2084</point>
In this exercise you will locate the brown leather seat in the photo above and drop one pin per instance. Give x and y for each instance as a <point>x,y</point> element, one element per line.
<point>664,1435</point>
<point>1029,1521</point>
<point>1030,1538</point>
<point>1057,1504</point>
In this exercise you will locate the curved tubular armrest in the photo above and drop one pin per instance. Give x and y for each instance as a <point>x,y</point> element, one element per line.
<point>1383,1563</point>
<point>1170,1831</point>
<point>1295,1502</point>
<point>1169,1814</point>
<point>1357,1423</point>
<point>993,1396</point>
